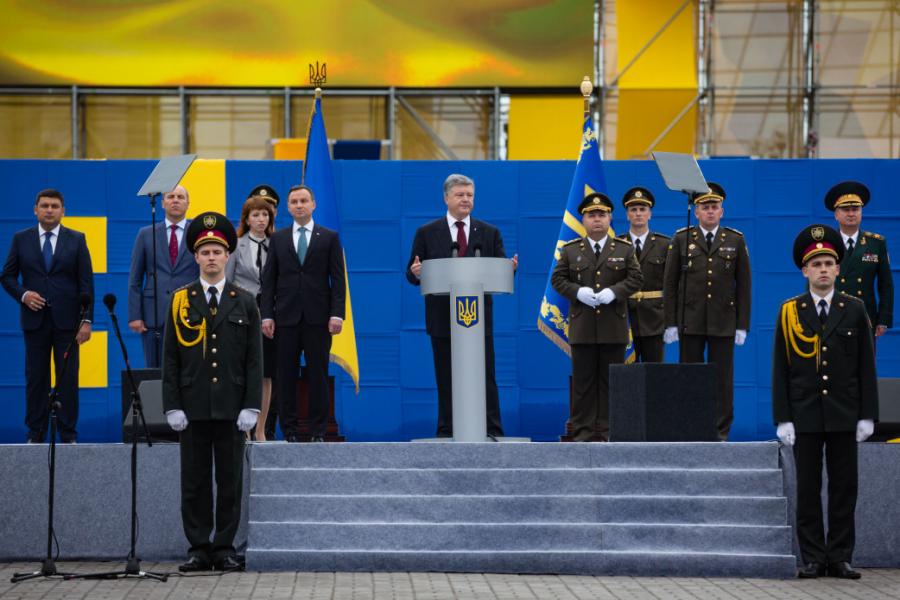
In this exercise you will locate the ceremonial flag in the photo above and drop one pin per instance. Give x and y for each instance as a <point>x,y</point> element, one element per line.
<point>553,320</point>
<point>317,174</point>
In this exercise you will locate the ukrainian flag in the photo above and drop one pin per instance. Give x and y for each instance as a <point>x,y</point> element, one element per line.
<point>317,174</point>
<point>553,320</point>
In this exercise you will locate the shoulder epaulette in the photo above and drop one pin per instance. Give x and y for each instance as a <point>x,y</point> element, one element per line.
<point>877,236</point>
<point>570,242</point>
<point>794,299</point>
<point>624,241</point>
<point>732,229</point>
<point>185,286</point>
<point>660,235</point>
<point>683,229</point>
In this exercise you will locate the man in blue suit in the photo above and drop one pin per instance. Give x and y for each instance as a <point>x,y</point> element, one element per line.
<point>55,268</point>
<point>175,268</point>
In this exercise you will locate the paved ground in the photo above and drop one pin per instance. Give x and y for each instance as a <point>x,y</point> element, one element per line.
<point>875,584</point>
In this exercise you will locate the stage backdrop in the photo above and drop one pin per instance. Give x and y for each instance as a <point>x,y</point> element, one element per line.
<point>382,204</point>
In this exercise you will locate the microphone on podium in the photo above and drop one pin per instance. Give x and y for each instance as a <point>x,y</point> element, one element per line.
<point>477,252</point>
<point>454,249</point>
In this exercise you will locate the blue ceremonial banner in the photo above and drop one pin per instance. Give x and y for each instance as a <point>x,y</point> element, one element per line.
<point>319,176</point>
<point>553,320</point>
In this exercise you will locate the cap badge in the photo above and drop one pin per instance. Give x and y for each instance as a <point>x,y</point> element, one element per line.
<point>817,233</point>
<point>638,194</point>
<point>209,221</point>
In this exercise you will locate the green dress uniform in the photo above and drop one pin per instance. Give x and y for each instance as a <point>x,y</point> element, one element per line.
<point>824,382</point>
<point>864,268</point>
<point>867,264</point>
<point>597,335</point>
<point>715,301</point>
<point>212,369</point>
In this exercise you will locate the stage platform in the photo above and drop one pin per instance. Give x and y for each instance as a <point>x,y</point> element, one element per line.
<point>689,509</point>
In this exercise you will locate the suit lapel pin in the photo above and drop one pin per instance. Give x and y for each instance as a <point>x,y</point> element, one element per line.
<point>803,305</point>
<point>841,304</point>
<point>232,293</point>
<point>193,292</point>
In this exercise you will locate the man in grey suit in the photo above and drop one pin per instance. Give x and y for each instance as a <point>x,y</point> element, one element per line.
<point>174,268</point>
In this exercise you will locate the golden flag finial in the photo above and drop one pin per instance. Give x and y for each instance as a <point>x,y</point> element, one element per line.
<point>586,87</point>
<point>318,93</point>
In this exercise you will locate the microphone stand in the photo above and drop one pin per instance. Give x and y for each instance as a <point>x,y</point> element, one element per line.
<point>48,567</point>
<point>133,564</point>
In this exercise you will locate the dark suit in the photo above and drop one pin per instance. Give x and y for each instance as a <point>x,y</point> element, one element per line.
<point>212,382</point>
<point>52,327</point>
<point>645,307</point>
<point>140,284</point>
<point>301,299</point>
<point>597,336</point>
<point>716,301</point>
<point>825,399</point>
<point>861,268</point>
<point>432,241</point>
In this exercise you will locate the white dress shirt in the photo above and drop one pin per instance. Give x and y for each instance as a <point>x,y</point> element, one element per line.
<point>827,297</point>
<point>643,238</point>
<point>53,238</point>
<point>307,233</point>
<point>179,230</point>
<point>601,243</point>
<point>467,226</point>
<point>713,232</point>
<point>854,237</point>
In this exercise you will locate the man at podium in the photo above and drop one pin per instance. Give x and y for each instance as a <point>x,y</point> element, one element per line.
<point>457,234</point>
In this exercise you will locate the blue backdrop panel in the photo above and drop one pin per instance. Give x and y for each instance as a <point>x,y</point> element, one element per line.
<point>382,204</point>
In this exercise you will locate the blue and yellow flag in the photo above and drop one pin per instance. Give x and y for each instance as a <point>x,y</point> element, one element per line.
<point>553,319</point>
<point>318,175</point>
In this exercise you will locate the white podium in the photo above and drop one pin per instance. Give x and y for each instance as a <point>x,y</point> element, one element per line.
<point>466,280</point>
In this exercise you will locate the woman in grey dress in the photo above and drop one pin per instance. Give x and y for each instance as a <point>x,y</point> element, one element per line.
<point>244,269</point>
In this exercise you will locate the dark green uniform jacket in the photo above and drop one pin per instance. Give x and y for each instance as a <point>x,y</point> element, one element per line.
<point>859,270</point>
<point>220,375</point>
<point>617,269</point>
<point>646,313</point>
<point>717,286</point>
<point>840,388</point>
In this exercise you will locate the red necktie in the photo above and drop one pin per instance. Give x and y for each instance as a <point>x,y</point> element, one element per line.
<point>461,237</point>
<point>173,246</point>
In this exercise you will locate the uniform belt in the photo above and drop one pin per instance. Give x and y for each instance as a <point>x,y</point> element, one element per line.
<point>647,295</point>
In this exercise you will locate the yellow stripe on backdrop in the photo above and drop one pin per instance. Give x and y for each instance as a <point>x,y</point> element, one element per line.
<point>92,366</point>
<point>540,127</point>
<point>661,81</point>
<point>94,230</point>
<point>205,183</point>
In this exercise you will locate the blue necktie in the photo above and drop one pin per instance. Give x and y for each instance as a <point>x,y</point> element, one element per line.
<point>47,251</point>
<point>301,245</point>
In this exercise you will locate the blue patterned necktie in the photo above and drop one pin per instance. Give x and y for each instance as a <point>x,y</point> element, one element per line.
<point>301,245</point>
<point>47,250</point>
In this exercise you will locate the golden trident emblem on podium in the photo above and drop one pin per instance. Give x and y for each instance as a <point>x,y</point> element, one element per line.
<point>467,310</point>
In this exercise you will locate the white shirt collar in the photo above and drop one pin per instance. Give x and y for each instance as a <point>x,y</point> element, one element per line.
<point>309,227</point>
<point>602,243</point>
<point>854,237</point>
<point>712,231</point>
<point>643,238</point>
<point>54,231</point>
<point>179,224</point>
<point>827,297</point>
<point>451,221</point>
<point>220,286</point>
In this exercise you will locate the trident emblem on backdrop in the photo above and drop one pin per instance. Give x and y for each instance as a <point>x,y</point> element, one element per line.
<point>317,74</point>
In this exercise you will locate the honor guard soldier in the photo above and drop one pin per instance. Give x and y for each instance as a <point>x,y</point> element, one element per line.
<point>597,274</point>
<point>824,394</point>
<point>866,259</point>
<point>645,307</point>
<point>707,295</point>
<point>212,384</point>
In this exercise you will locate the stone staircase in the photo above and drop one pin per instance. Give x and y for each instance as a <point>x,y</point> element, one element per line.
<point>688,509</point>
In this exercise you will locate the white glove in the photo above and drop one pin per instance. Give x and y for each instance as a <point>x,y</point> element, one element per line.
<point>670,335</point>
<point>586,296</point>
<point>247,419</point>
<point>605,296</point>
<point>177,420</point>
<point>785,433</point>
<point>740,336</point>
<point>864,429</point>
